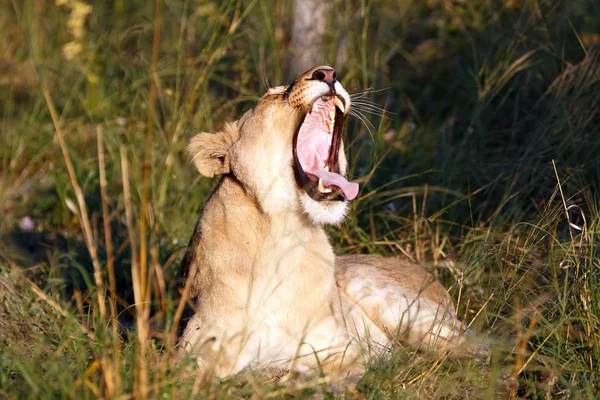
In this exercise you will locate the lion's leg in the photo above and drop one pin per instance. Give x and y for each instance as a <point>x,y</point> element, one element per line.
<point>385,299</point>
<point>326,350</point>
<point>223,348</point>
<point>206,347</point>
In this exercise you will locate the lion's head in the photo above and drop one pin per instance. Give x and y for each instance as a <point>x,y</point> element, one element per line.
<point>287,151</point>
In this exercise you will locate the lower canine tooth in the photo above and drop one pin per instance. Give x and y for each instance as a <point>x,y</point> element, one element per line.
<point>322,188</point>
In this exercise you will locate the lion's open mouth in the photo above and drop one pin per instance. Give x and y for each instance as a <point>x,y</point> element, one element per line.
<point>316,150</point>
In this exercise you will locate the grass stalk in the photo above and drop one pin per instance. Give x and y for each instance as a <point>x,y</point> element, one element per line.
<point>82,207</point>
<point>144,296</point>
<point>140,373</point>
<point>113,371</point>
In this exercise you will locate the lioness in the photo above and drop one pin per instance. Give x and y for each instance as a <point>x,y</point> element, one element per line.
<point>271,295</point>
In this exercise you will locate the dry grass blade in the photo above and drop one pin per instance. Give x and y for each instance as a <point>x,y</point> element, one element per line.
<point>140,375</point>
<point>83,214</point>
<point>142,301</point>
<point>40,293</point>
<point>183,301</point>
<point>500,78</point>
<point>110,262</point>
<point>564,202</point>
<point>111,369</point>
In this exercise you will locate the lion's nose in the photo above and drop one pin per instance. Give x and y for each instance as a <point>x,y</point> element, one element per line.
<point>326,75</point>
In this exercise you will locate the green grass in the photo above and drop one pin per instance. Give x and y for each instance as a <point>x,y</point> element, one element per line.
<point>486,169</point>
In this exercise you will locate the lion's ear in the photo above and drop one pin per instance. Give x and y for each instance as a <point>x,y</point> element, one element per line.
<point>210,151</point>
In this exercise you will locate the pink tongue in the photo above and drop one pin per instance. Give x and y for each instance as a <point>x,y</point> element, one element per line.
<point>350,189</point>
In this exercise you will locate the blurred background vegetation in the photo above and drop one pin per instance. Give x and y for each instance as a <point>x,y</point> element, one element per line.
<point>484,165</point>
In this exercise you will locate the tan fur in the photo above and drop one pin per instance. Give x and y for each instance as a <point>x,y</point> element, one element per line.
<point>271,295</point>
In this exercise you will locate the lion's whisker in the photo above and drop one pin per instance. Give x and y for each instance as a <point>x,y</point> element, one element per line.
<point>372,110</point>
<point>371,105</point>
<point>357,114</point>
<point>266,82</point>
<point>363,93</point>
<point>376,114</point>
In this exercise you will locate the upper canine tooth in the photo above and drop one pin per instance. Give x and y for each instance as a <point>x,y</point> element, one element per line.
<point>326,168</point>
<point>316,106</point>
<point>338,103</point>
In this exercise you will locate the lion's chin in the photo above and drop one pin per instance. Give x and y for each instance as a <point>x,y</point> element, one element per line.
<point>324,212</point>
